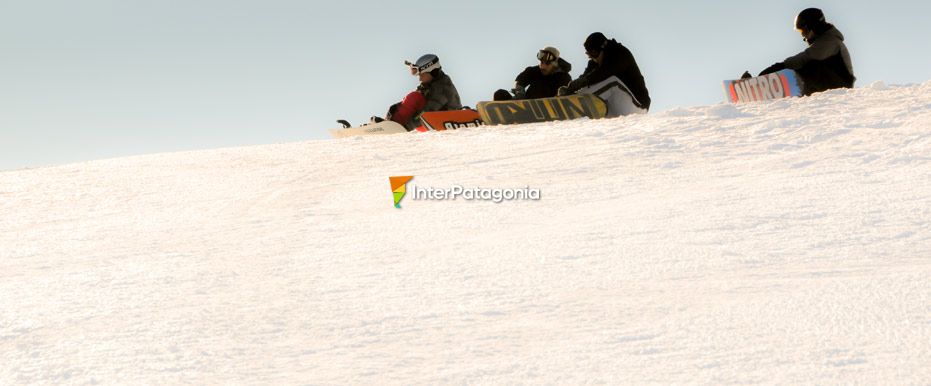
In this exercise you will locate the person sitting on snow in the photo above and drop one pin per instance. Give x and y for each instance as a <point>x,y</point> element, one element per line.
<point>436,92</point>
<point>825,64</point>
<point>613,75</point>
<point>540,81</point>
<point>437,88</point>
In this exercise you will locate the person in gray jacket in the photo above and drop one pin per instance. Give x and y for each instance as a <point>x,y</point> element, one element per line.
<point>436,86</point>
<point>436,92</point>
<point>826,63</point>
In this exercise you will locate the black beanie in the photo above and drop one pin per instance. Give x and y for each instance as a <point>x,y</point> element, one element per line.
<point>810,18</point>
<point>595,42</point>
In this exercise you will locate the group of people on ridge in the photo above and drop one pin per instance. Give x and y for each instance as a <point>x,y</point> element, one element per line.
<point>613,75</point>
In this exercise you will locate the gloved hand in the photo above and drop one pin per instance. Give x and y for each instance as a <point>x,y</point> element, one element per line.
<point>518,93</point>
<point>575,85</point>
<point>771,69</point>
<point>563,91</point>
<point>393,109</point>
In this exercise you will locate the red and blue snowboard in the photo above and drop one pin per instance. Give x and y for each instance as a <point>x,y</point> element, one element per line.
<point>778,85</point>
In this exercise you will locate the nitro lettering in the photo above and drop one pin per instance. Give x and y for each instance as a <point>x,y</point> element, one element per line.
<point>778,90</point>
<point>753,85</point>
<point>765,87</point>
<point>741,89</point>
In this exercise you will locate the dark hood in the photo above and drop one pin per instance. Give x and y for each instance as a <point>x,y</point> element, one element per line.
<point>564,65</point>
<point>827,30</point>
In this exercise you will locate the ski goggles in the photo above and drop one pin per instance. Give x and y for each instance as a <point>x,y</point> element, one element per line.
<point>414,69</point>
<point>546,56</point>
<point>424,64</point>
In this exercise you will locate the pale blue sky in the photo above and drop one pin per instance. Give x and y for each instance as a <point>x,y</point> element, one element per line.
<point>82,80</point>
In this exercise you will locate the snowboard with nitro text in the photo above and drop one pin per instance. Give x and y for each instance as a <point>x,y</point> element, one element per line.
<point>778,85</point>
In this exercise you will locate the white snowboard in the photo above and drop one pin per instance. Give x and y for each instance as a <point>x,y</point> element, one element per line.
<point>384,127</point>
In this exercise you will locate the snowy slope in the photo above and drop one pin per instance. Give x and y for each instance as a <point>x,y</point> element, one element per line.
<point>783,242</point>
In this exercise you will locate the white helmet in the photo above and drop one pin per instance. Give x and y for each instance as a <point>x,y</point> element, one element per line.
<point>426,63</point>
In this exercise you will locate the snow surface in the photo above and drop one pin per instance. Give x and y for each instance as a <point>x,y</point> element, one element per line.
<point>784,242</point>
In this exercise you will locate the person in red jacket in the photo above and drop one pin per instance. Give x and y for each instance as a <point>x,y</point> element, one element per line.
<point>409,107</point>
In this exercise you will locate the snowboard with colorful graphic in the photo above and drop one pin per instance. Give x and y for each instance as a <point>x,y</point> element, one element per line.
<point>542,110</point>
<point>778,85</point>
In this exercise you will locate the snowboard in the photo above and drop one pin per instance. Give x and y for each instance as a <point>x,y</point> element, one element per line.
<point>542,110</point>
<point>449,120</point>
<point>778,85</point>
<point>383,127</point>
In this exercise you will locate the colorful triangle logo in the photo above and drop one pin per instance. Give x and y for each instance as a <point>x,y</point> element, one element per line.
<point>399,188</point>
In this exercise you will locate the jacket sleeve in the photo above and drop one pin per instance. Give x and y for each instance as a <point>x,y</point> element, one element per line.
<point>583,80</point>
<point>409,107</point>
<point>771,69</point>
<point>597,75</point>
<point>617,60</point>
<point>591,66</point>
<point>563,79</point>
<point>526,77</point>
<point>821,49</point>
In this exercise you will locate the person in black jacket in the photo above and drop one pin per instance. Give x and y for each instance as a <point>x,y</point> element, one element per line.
<point>541,81</point>
<point>825,64</point>
<point>612,74</point>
